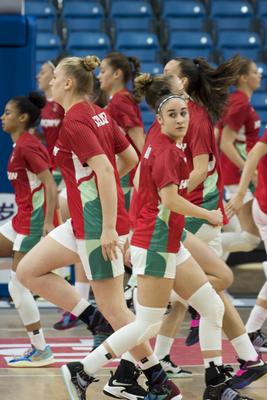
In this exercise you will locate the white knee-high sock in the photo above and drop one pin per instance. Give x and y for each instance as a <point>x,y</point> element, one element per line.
<point>244,348</point>
<point>163,346</point>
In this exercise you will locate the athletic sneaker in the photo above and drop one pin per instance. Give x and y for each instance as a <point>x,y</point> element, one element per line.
<point>33,358</point>
<point>67,321</point>
<point>193,336</point>
<point>125,388</point>
<point>173,370</point>
<point>164,391</point>
<point>248,372</point>
<point>259,341</point>
<point>76,380</point>
<point>222,392</point>
<point>128,295</point>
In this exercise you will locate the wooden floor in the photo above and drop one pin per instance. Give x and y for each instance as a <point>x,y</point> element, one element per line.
<point>46,383</point>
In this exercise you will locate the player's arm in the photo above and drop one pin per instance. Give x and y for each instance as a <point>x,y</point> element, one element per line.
<point>107,189</point>
<point>253,158</point>
<point>199,172</point>
<point>176,203</point>
<point>50,198</point>
<point>137,135</point>
<point>227,146</point>
<point>126,161</point>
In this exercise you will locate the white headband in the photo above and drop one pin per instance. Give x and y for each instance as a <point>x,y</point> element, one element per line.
<point>172,96</point>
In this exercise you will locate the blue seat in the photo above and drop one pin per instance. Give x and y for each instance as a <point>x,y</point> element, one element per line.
<point>259,101</point>
<point>140,44</point>
<point>262,8</point>
<point>82,44</point>
<point>184,24</point>
<point>183,9</point>
<point>132,24</point>
<point>79,9</point>
<point>252,54</point>
<point>48,41</point>
<point>262,67</point>
<point>196,42</point>
<point>148,118</point>
<point>192,53</point>
<point>44,13</point>
<point>239,40</point>
<point>231,9</point>
<point>230,24</point>
<point>84,24</point>
<point>131,9</point>
<point>152,68</point>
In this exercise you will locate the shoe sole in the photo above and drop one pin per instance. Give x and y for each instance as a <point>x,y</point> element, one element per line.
<point>113,392</point>
<point>34,364</point>
<point>248,381</point>
<point>67,380</point>
<point>178,376</point>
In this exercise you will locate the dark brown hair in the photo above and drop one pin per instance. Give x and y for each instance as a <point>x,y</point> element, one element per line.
<point>30,105</point>
<point>209,86</point>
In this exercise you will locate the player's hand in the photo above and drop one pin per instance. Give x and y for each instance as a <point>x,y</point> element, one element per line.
<point>216,217</point>
<point>48,227</point>
<point>234,205</point>
<point>110,244</point>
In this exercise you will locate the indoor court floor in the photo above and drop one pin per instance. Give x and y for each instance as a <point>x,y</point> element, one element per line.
<point>74,344</point>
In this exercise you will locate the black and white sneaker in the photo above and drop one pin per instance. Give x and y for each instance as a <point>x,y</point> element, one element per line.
<point>125,388</point>
<point>173,370</point>
<point>259,340</point>
<point>76,380</point>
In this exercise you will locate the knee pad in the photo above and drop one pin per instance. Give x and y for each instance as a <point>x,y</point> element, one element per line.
<point>264,265</point>
<point>263,292</point>
<point>211,309</point>
<point>23,301</point>
<point>146,325</point>
<point>174,297</point>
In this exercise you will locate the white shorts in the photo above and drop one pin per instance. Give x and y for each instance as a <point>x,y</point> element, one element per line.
<point>212,236</point>
<point>160,264</point>
<point>21,243</point>
<point>230,191</point>
<point>260,219</point>
<point>90,252</point>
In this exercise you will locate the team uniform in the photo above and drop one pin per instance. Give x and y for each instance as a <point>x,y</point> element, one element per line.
<point>51,120</point>
<point>88,131</point>
<point>125,111</point>
<point>241,117</point>
<point>28,159</point>
<point>259,208</point>
<point>156,247</point>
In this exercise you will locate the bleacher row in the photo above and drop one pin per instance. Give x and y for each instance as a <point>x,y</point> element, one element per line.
<point>154,31</point>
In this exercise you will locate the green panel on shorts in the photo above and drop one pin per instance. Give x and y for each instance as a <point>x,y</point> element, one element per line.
<point>127,197</point>
<point>184,235</point>
<point>211,203</point>
<point>28,243</point>
<point>57,176</point>
<point>160,236</point>
<point>100,269</point>
<point>156,263</point>
<point>37,217</point>
<point>92,211</point>
<point>125,181</point>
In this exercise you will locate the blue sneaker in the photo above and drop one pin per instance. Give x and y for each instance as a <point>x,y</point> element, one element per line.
<point>249,371</point>
<point>33,358</point>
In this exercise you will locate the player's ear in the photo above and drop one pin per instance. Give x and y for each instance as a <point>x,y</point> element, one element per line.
<point>160,119</point>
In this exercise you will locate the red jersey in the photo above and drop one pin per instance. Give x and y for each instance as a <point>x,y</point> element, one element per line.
<point>51,119</point>
<point>87,131</point>
<point>28,159</point>
<point>156,227</point>
<point>241,117</point>
<point>125,111</point>
<point>261,191</point>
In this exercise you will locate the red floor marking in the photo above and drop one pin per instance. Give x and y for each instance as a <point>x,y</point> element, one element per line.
<point>63,349</point>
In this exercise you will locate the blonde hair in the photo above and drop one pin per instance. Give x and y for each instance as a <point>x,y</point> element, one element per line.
<point>81,68</point>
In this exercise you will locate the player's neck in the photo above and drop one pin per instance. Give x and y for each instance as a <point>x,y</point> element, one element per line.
<point>16,134</point>
<point>70,101</point>
<point>116,88</point>
<point>245,90</point>
<point>48,93</point>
